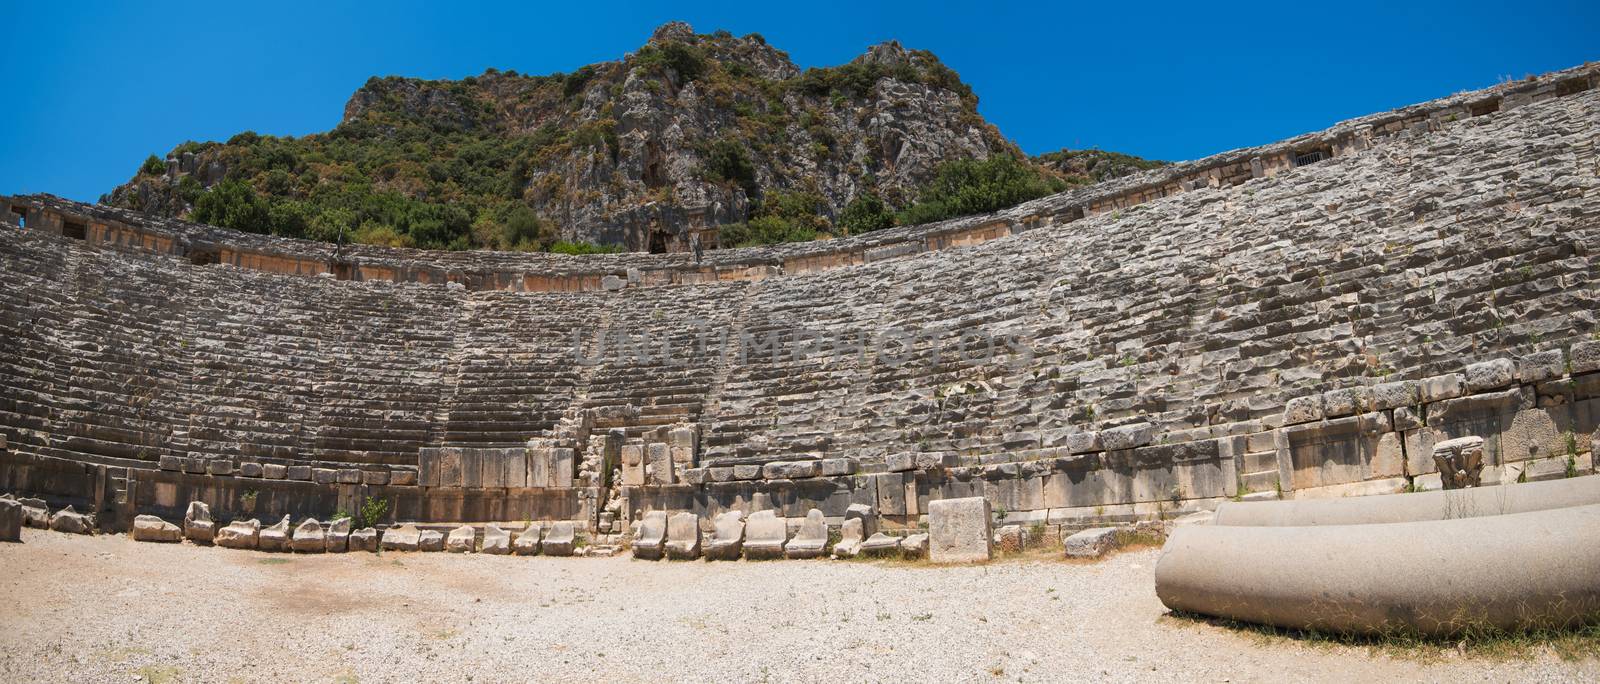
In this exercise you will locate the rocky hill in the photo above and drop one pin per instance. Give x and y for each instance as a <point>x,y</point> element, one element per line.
<point>706,139</point>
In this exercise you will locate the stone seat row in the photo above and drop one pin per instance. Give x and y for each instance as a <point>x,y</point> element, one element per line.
<point>765,536</point>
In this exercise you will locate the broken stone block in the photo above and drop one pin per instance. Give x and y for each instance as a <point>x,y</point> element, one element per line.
<point>1441,387</point>
<point>71,522</point>
<point>868,515</point>
<point>10,519</point>
<point>938,461</point>
<point>364,539</point>
<point>901,462</point>
<point>404,537</point>
<point>764,535</point>
<point>461,540</point>
<point>430,540</point>
<point>683,536</point>
<point>850,539</point>
<point>1083,442</point>
<point>1489,375</point>
<point>337,536</point>
<point>880,545</point>
<point>496,542</point>
<point>1346,401</point>
<point>197,523</point>
<point>1090,543</point>
<point>309,537</point>
<point>915,546</point>
<point>1393,395</point>
<point>746,472</point>
<point>561,539</point>
<point>1126,437</point>
<point>527,541</point>
<point>651,535</point>
<point>1460,462</point>
<point>274,538</point>
<point>959,530</point>
<point>657,464</point>
<point>1585,357</point>
<point>153,529</point>
<point>239,534</point>
<point>632,465</point>
<point>727,537</point>
<point>1541,366</point>
<point>1302,410</point>
<point>811,541</point>
<point>35,513</point>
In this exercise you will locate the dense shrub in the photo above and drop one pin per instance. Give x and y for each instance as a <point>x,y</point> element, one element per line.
<point>564,247</point>
<point>153,166</point>
<point>728,161</point>
<point>865,213</point>
<point>974,186</point>
<point>233,204</point>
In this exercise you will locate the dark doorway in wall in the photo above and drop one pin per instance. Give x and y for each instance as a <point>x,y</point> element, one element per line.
<point>1488,106</point>
<point>658,242</point>
<point>74,230</point>
<point>204,256</point>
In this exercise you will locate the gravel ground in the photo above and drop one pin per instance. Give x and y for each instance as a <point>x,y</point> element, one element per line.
<point>110,609</point>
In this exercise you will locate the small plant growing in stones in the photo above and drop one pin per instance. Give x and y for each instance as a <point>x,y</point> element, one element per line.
<point>247,500</point>
<point>372,511</point>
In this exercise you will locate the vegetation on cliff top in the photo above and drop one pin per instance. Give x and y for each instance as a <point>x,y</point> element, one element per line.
<point>489,161</point>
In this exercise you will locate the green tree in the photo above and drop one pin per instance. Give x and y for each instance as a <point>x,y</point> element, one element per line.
<point>233,204</point>
<point>153,166</point>
<point>974,186</point>
<point>865,213</point>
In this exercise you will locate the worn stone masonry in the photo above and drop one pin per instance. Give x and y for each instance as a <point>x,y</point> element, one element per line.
<point>1309,318</point>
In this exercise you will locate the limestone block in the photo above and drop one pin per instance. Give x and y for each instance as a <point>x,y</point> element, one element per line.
<point>462,539</point>
<point>219,467</point>
<point>309,537</point>
<point>850,539</point>
<point>1536,433</point>
<point>892,492</point>
<point>1332,452</point>
<point>300,472</point>
<point>563,466</point>
<point>1586,357</point>
<point>765,535</point>
<point>560,541</point>
<point>1541,366</point>
<point>471,467</point>
<point>375,478</point>
<point>938,460</point>
<point>1406,418</point>
<point>274,471</point>
<point>835,467</point>
<point>239,534</point>
<point>149,528</point>
<point>194,466</point>
<point>348,476</point>
<point>428,472</point>
<point>197,523</point>
<point>337,536</point>
<point>401,477</point>
<point>1302,410</point>
<point>879,545</point>
<point>430,540</point>
<point>720,474</point>
<point>1090,543</point>
<point>10,520</point>
<point>900,462</point>
<point>727,536</point>
<point>364,539</point>
<point>632,465</point>
<point>1393,395</point>
<point>250,469</point>
<point>405,537</point>
<point>811,541</point>
<point>1481,377</point>
<point>1125,437</point>
<point>959,530</point>
<point>71,522</point>
<point>527,541</point>
<point>915,546</point>
<point>496,541</point>
<point>867,514</point>
<point>539,467</point>
<point>450,468</point>
<point>696,476</point>
<point>1011,539</point>
<point>651,536</point>
<point>1441,387</point>
<point>683,536</point>
<point>169,463</point>
<point>791,470</point>
<point>1083,443</point>
<point>35,513</point>
<point>1346,401</point>
<point>275,537</point>
<point>746,472</point>
<point>323,476</point>
<point>657,464</point>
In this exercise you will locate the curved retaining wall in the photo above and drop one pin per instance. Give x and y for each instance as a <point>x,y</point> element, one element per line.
<point>1475,502</point>
<point>1303,329</point>
<point>1536,569</point>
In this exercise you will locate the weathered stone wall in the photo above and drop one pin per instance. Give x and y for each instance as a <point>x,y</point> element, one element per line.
<point>1169,318</point>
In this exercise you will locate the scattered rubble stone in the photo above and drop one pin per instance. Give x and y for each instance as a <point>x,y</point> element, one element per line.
<point>151,528</point>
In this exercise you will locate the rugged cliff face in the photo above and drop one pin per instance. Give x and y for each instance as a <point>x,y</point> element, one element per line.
<point>654,152</point>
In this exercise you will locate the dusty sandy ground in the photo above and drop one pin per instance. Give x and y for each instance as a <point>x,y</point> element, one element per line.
<point>110,609</point>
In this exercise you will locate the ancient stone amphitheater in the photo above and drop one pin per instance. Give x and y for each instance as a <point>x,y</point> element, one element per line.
<point>1303,319</point>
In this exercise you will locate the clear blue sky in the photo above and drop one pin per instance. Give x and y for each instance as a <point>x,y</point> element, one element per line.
<point>92,88</point>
